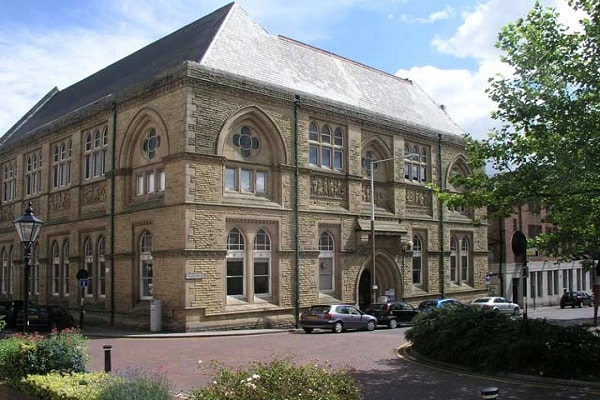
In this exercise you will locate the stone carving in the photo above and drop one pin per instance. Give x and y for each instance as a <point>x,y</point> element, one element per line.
<point>418,201</point>
<point>60,201</point>
<point>92,194</point>
<point>381,196</point>
<point>327,187</point>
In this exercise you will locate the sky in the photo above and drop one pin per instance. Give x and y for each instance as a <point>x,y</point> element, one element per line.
<point>444,46</point>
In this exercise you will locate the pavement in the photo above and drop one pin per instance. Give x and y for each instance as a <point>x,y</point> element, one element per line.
<point>116,332</point>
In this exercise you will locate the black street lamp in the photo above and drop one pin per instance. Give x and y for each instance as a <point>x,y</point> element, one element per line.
<point>28,227</point>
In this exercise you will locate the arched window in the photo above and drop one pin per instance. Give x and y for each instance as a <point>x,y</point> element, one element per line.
<point>33,173</point>
<point>326,262</point>
<point>66,272</point>
<point>416,163</point>
<point>235,264</point>
<point>460,259</point>
<point>11,271</point>
<point>249,179</point>
<point>417,261</point>
<point>35,269</point>
<point>55,269</point>
<point>88,249</point>
<point>464,260</point>
<point>95,153</point>
<point>4,271</point>
<point>262,263</point>
<point>367,160</point>
<point>150,177</point>
<point>146,266</point>
<point>325,151</point>
<point>61,164</point>
<point>101,267</point>
<point>9,180</point>
<point>453,260</point>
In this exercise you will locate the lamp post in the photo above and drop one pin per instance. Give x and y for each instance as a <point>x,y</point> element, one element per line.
<point>372,192</point>
<point>28,227</point>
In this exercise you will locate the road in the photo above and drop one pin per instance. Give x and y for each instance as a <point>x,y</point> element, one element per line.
<point>381,373</point>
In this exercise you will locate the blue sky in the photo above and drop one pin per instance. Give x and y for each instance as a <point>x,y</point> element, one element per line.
<point>446,47</point>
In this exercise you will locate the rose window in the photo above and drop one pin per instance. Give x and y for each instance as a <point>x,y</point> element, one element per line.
<point>246,142</point>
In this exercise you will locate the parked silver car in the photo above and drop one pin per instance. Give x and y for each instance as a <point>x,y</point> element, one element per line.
<point>496,304</point>
<point>336,317</point>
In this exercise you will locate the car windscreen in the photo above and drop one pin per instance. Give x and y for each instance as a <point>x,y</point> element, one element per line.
<point>319,309</point>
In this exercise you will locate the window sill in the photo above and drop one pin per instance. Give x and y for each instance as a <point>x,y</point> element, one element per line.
<point>326,297</point>
<point>237,199</point>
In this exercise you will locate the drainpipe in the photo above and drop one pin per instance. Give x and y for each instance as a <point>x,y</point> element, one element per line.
<point>112,214</point>
<point>296,212</point>
<point>441,206</point>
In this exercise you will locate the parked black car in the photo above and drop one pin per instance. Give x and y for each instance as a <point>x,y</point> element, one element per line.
<point>46,318</point>
<point>393,313</point>
<point>9,310</point>
<point>586,298</point>
<point>575,299</point>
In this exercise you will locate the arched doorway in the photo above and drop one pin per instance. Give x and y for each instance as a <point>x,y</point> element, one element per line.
<point>389,281</point>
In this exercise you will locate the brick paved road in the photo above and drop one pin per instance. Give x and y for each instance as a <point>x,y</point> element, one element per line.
<point>381,373</point>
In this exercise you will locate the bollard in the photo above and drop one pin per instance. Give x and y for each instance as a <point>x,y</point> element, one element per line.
<point>489,393</point>
<point>107,348</point>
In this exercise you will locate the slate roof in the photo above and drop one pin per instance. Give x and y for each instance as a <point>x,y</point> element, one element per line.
<point>229,40</point>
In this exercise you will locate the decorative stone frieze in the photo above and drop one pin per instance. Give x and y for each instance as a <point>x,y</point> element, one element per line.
<point>93,194</point>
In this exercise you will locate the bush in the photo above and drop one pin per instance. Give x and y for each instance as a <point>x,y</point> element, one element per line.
<point>130,384</point>
<point>59,386</point>
<point>137,384</point>
<point>492,342</point>
<point>22,355</point>
<point>279,380</point>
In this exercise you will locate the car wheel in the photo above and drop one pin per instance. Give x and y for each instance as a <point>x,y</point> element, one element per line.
<point>371,325</point>
<point>338,327</point>
<point>393,323</point>
<point>516,311</point>
<point>579,305</point>
<point>562,306</point>
<point>308,330</point>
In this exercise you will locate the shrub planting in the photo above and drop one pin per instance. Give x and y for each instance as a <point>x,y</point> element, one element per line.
<point>61,386</point>
<point>279,380</point>
<point>22,355</point>
<point>493,342</point>
<point>137,384</point>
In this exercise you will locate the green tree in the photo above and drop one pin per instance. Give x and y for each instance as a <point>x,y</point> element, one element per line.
<point>546,150</point>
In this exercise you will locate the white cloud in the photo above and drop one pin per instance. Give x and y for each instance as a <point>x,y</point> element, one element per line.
<point>460,91</point>
<point>435,16</point>
<point>463,91</point>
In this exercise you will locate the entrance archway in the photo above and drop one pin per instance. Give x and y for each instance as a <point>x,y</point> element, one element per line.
<point>389,280</point>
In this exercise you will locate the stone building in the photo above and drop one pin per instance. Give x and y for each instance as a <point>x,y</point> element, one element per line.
<point>222,176</point>
<point>547,277</point>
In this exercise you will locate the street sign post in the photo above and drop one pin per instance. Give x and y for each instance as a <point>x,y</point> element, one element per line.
<point>82,275</point>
